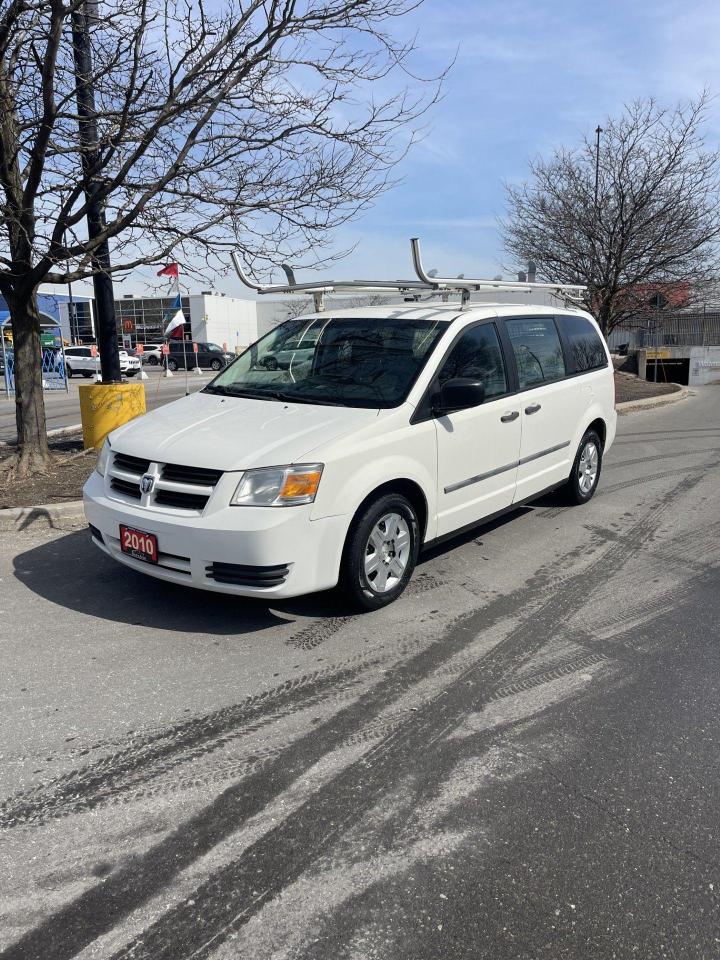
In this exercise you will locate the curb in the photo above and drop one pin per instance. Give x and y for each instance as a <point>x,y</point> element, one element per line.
<point>55,432</point>
<point>61,431</point>
<point>52,515</point>
<point>647,402</point>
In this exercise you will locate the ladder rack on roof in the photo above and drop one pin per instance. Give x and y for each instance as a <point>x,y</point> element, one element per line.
<point>434,286</point>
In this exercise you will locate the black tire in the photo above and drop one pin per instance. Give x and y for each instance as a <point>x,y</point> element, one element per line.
<point>354,581</point>
<point>270,363</point>
<point>131,373</point>
<point>68,370</point>
<point>576,492</point>
<point>152,360</point>
<point>216,365</point>
<point>172,365</point>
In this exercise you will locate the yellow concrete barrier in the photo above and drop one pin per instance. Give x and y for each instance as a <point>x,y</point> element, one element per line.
<point>105,406</point>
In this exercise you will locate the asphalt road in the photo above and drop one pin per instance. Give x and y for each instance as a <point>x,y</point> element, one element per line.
<point>519,759</point>
<point>63,409</point>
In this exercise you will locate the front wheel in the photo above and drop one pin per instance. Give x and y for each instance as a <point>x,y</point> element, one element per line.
<point>585,475</point>
<point>68,370</point>
<point>216,365</point>
<point>172,365</point>
<point>152,360</point>
<point>380,552</point>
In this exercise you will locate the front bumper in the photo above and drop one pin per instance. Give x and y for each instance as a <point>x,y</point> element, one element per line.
<point>192,548</point>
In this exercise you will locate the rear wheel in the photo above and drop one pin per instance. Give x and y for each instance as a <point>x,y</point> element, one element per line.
<point>172,365</point>
<point>380,552</point>
<point>152,360</point>
<point>585,474</point>
<point>68,370</point>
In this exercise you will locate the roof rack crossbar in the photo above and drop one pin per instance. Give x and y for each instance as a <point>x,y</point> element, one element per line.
<point>329,286</point>
<point>424,283</point>
<point>465,283</point>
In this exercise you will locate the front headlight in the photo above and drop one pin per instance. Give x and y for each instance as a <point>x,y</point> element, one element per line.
<point>103,458</point>
<point>278,486</point>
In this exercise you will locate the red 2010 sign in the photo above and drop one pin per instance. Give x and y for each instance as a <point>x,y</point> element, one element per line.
<point>142,546</point>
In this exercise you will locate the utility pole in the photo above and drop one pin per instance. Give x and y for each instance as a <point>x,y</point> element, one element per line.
<point>107,335</point>
<point>598,131</point>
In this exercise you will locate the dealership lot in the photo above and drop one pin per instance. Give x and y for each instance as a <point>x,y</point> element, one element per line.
<point>63,409</point>
<point>517,759</point>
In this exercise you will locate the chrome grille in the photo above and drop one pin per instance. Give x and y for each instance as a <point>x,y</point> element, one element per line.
<point>126,487</point>
<point>124,461</point>
<point>191,475</point>
<point>175,486</point>
<point>178,498</point>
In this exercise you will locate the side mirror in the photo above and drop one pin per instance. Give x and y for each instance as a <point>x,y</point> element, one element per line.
<point>460,393</point>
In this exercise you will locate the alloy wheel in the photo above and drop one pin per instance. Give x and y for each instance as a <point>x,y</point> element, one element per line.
<point>387,552</point>
<point>588,467</point>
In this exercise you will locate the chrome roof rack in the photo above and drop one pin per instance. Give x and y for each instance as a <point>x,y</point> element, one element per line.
<point>426,283</point>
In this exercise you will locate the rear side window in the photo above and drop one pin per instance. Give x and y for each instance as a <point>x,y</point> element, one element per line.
<point>477,355</point>
<point>586,348</point>
<point>538,351</point>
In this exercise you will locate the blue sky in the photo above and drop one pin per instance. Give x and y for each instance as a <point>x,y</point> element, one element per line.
<point>528,77</point>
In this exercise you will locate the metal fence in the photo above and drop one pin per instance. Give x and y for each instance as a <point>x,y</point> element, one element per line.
<point>699,329</point>
<point>54,372</point>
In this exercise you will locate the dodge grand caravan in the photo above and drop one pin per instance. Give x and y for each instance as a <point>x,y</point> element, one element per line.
<point>389,428</point>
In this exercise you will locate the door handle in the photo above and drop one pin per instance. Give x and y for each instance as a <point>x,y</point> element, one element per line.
<point>509,417</point>
<point>533,408</point>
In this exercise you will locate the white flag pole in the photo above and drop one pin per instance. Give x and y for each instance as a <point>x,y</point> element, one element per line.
<point>177,289</point>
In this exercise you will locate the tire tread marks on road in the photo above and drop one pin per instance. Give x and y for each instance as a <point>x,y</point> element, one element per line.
<point>289,848</point>
<point>148,757</point>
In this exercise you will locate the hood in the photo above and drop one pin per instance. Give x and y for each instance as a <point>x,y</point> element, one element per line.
<point>233,433</point>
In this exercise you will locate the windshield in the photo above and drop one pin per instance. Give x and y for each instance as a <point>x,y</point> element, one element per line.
<point>351,361</point>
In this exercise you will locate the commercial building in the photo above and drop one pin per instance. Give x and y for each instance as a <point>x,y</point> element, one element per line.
<point>209,317</point>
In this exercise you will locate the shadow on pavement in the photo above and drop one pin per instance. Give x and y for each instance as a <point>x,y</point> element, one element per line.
<point>437,549</point>
<point>100,587</point>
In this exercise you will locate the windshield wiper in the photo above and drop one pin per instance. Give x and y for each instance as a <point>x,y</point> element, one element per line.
<point>281,395</point>
<point>217,388</point>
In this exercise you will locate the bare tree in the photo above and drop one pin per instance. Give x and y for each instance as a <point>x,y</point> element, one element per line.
<point>656,220</point>
<point>258,124</point>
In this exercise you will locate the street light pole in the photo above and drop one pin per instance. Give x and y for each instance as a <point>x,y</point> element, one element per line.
<point>107,336</point>
<point>598,131</point>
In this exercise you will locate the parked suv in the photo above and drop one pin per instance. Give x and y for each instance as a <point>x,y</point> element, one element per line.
<point>405,426</point>
<point>152,354</point>
<point>208,355</point>
<point>81,360</point>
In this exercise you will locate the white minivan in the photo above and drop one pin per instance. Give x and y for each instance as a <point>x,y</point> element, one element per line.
<point>387,429</point>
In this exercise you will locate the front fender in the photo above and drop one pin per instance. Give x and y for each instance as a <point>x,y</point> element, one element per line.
<point>356,469</point>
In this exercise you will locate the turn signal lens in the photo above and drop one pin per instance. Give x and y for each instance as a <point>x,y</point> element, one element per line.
<point>278,486</point>
<point>301,485</point>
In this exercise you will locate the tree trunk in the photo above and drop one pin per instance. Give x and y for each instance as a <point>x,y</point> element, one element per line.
<point>33,454</point>
<point>604,317</point>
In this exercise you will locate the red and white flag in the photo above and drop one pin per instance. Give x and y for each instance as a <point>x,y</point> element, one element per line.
<point>171,270</point>
<point>175,327</point>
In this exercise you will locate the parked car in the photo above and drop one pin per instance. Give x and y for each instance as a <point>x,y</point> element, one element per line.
<point>80,360</point>
<point>152,354</point>
<point>208,355</point>
<point>294,351</point>
<point>408,425</point>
